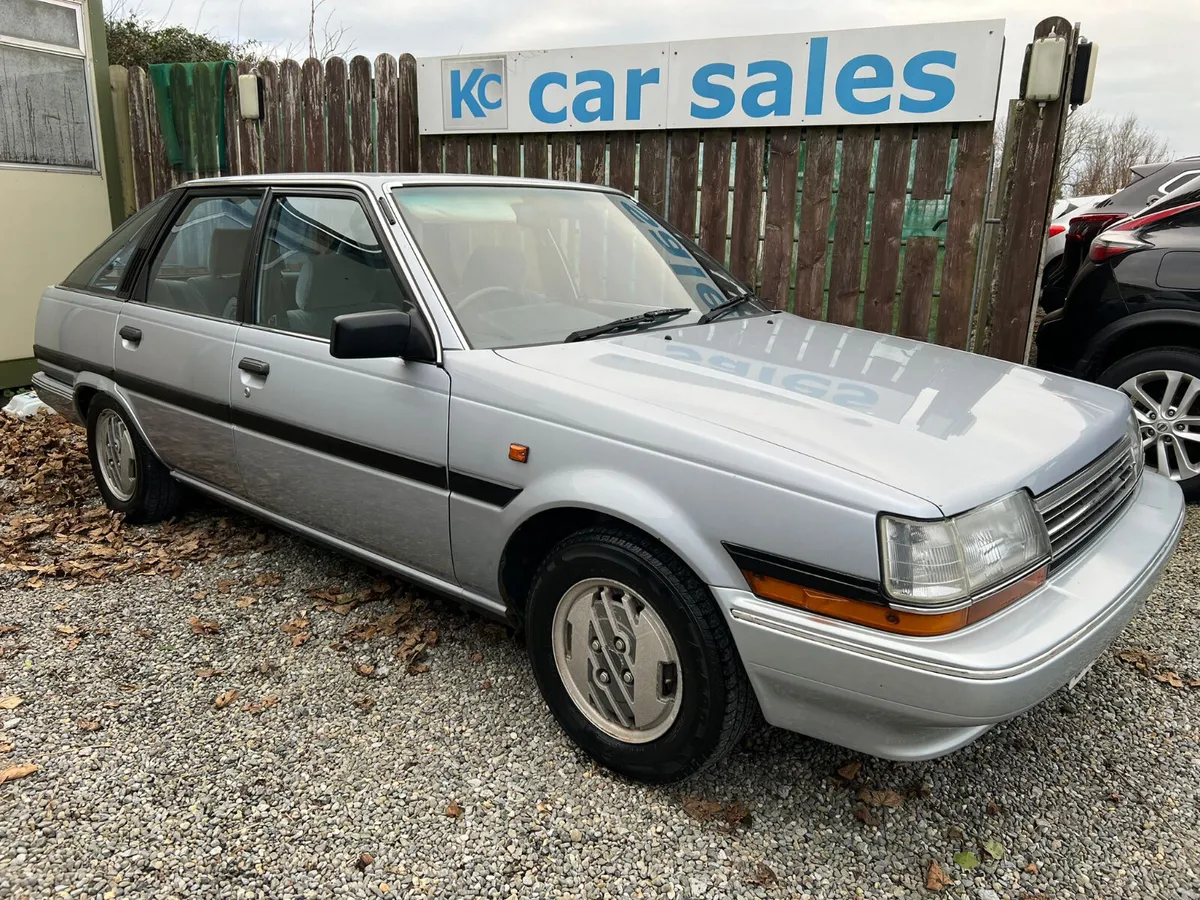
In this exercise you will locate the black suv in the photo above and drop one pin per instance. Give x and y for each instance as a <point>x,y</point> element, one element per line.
<point>1132,321</point>
<point>1151,182</point>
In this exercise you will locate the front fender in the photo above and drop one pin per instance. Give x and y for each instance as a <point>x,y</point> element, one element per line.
<point>633,500</point>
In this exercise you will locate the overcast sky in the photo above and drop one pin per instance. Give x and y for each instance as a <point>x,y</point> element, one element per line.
<point>1146,62</point>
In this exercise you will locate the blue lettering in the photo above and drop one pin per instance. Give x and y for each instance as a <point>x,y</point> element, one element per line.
<point>601,95</point>
<point>849,81</point>
<point>941,86</point>
<point>709,294</point>
<point>667,242</point>
<point>722,96</point>
<point>688,271</point>
<point>635,80</point>
<point>725,364</point>
<point>855,396</point>
<point>679,351</point>
<point>461,93</point>
<point>780,85</point>
<point>766,374</point>
<point>814,92</point>
<point>638,213</point>
<point>537,98</point>
<point>815,386</point>
<point>485,101</point>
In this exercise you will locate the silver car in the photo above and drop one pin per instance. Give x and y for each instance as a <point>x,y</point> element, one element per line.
<point>543,401</point>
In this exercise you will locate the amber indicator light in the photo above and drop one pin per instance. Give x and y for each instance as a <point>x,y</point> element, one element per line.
<point>518,453</point>
<point>876,615</point>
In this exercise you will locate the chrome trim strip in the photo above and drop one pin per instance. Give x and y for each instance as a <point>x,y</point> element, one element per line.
<point>494,607</point>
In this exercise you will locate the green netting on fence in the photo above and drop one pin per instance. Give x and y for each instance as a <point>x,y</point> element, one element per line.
<point>190,101</point>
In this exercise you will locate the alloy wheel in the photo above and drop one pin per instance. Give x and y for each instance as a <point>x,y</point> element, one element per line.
<point>1165,403</point>
<point>617,660</point>
<point>114,450</point>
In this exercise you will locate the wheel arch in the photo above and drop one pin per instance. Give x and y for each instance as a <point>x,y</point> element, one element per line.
<point>594,498</point>
<point>1140,331</point>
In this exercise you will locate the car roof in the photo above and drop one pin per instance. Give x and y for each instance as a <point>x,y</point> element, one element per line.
<point>380,180</point>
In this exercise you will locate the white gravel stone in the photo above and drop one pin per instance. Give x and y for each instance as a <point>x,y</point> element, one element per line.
<point>174,798</point>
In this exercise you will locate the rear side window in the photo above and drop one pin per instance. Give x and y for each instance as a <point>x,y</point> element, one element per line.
<point>104,267</point>
<point>199,266</point>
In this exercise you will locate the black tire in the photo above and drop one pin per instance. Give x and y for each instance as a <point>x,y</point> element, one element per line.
<point>1179,359</point>
<point>717,703</point>
<point>156,495</point>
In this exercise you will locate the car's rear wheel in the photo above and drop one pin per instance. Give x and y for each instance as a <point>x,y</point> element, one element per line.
<point>633,656</point>
<point>131,479</point>
<point>1164,386</point>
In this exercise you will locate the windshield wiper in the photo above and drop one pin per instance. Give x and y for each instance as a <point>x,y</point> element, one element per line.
<point>631,323</point>
<point>721,308</point>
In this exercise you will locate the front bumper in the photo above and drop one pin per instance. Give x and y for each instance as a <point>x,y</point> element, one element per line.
<point>909,698</point>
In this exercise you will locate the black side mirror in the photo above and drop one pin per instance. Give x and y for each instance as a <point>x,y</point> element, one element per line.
<point>380,334</point>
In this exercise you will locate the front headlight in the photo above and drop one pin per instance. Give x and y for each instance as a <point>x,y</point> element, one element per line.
<point>936,564</point>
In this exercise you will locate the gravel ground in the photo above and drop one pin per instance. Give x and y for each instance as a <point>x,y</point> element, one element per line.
<point>454,781</point>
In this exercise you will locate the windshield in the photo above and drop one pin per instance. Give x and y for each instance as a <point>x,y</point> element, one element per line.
<point>533,265</point>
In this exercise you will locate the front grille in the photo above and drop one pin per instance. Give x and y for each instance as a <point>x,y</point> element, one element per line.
<point>1076,509</point>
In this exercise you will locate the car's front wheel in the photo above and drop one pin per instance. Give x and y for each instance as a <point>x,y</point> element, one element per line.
<point>131,479</point>
<point>633,656</point>
<point>1164,386</point>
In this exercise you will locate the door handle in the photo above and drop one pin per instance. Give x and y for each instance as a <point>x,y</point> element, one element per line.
<point>131,334</point>
<point>255,367</point>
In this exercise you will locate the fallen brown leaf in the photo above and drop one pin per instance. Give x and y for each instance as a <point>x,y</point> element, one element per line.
<point>209,673</point>
<point>88,725</point>
<point>936,878</point>
<point>10,702</point>
<point>764,876</point>
<point>366,704</point>
<point>476,657</point>
<point>364,669</point>
<point>1138,658</point>
<point>224,585</point>
<point>299,640</point>
<point>73,643</point>
<point>364,860</point>
<point>701,810</point>
<point>994,809</point>
<point>886,797</point>
<point>865,816</point>
<point>295,626</point>
<point>65,629</point>
<point>144,633</point>
<point>850,770</point>
<point>454,811</point>
<point>245,602</point>
<point>6,747</point>
<point>12,773</point>
<point>1171,678</point>
<point>1032,868</point>
<point>9,629</point>
<point>735,814</point>
<point>267,579</point>
<point>203,626</point>
<point>200,595</point>
<point>262,706</point>
<point>486,685</point>
<point>225,699</point>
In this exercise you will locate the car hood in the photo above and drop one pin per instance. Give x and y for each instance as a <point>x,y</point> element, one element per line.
<point>953,428</point>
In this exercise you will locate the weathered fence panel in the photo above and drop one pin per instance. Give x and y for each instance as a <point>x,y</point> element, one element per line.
<point>779,230</point>
<point>878,226</point>
<point>887,225</point>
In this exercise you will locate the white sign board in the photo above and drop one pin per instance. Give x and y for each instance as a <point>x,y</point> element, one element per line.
<point>946,72</point>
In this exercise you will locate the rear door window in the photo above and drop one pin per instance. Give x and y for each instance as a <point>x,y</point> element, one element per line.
<point>198,268</point>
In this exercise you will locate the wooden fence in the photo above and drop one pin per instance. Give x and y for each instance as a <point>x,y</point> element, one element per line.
<point>874,226</point>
